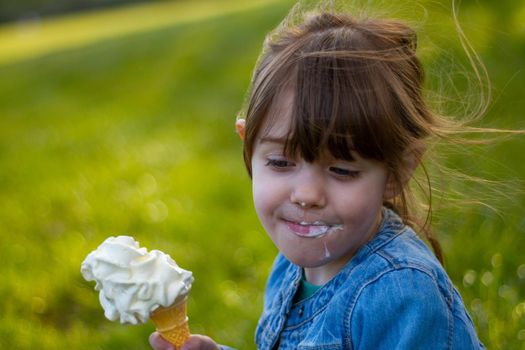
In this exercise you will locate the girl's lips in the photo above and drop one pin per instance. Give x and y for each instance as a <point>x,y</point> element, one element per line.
<point>311,230</point>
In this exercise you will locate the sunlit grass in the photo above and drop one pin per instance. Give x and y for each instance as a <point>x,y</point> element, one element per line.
<point>36,37</point>
<point>133,134</point>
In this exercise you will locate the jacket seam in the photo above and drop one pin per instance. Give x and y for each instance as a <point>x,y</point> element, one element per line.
<point>350,313</point>
<point>447,293</point>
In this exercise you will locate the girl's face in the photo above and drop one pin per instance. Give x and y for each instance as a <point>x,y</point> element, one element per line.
<point>317,214</point>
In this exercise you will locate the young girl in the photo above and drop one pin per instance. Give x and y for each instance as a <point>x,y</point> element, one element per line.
<point>334,128</point>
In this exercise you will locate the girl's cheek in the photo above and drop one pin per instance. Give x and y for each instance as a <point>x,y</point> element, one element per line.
<point>266,194</point>
<point>258,191</point>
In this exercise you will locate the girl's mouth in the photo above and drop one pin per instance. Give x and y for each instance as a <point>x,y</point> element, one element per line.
<point>311,229</point>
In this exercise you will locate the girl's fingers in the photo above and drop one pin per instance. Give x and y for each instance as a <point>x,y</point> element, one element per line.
<point>200,342</point>
<point>158,343</point>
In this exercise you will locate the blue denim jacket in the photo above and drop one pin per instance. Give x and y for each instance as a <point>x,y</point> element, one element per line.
<point>393,294</point>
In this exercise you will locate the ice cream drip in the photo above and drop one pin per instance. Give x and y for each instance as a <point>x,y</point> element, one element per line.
<point>326,251</point>
<point>323,229</point>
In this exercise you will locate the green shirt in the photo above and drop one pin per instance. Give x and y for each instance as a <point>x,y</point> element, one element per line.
<point>306,289</point>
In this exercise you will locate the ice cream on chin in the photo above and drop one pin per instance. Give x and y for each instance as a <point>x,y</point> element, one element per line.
<point>134,282</point>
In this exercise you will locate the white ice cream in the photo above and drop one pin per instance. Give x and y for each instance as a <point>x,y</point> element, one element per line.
<point>132,281</point>
<point>319,228</point>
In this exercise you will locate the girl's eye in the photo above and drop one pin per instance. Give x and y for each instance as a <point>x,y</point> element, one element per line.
<point>341,172</point>
<point>279,163</point>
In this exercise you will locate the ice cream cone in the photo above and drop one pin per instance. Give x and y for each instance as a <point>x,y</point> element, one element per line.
<point>172,322</point>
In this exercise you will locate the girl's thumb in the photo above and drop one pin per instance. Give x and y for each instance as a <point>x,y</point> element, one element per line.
<point>158,343</point>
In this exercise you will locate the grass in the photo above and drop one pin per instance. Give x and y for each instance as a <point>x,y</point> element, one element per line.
<point>132,133</point>
<point>20,40</point>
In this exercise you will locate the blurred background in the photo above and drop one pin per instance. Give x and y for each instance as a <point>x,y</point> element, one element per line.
<point>116,117</point>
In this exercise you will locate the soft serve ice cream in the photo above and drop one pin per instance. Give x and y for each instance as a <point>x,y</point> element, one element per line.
<point>132,281</point>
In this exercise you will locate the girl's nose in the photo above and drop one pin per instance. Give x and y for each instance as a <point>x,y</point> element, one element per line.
<point>308,189</point>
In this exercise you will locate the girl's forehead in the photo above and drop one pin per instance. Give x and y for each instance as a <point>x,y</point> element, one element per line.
<point>278,121</point>
<point>275,128</point>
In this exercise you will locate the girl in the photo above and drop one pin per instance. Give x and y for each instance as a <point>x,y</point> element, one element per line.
<point>334,128</point>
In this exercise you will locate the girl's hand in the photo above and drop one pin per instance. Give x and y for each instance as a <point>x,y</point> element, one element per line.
<point>194,342</point>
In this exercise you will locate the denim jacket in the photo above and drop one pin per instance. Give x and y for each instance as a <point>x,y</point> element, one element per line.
<point>393,294</point>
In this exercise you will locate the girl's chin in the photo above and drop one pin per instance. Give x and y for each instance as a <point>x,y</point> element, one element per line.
<point>308,257</point>
<point>307,262</point>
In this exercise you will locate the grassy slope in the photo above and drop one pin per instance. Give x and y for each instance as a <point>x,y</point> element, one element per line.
<point>121,137</point>
<point>21,40</point>
<point>134,135</point>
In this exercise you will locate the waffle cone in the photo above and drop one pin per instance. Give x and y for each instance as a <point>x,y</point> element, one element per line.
<point>172,322</point>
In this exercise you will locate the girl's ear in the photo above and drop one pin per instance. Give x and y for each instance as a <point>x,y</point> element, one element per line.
<point>410,161</point>
<point>240,127</point>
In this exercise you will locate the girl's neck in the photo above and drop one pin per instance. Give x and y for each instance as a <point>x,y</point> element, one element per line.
<point>321,275</point>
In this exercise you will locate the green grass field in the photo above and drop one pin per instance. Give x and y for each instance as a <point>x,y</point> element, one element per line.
<point>132,133</point>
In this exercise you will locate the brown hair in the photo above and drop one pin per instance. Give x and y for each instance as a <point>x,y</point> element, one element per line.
<point>357,86</point>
